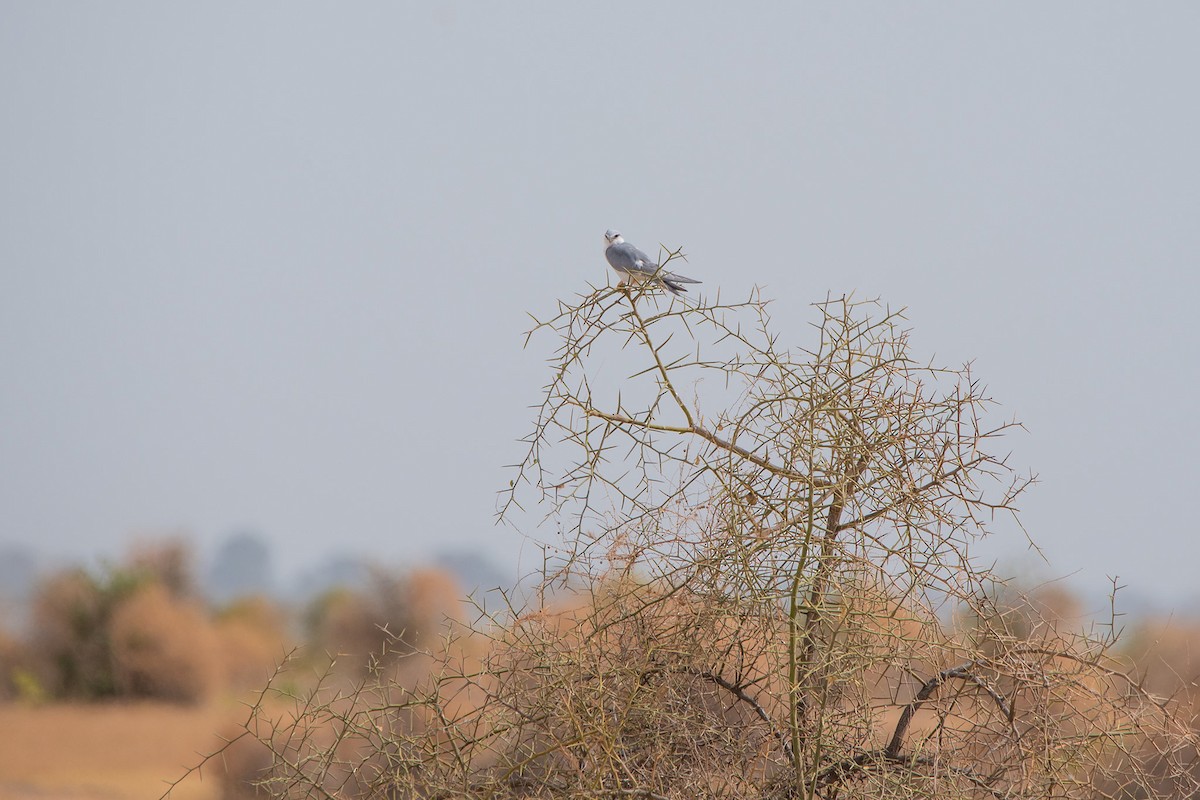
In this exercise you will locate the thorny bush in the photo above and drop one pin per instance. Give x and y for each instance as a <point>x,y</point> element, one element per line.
<point>763,590</point>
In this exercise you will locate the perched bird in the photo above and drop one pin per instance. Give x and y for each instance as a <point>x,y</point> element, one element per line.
<point>634,266</point>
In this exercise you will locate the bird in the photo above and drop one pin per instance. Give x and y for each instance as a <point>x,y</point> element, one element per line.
<point>634,266</point>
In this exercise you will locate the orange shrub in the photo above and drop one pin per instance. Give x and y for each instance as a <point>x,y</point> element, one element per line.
<point>166,561</point>
<point>391,617</point>
<point>252,638</point>
<point>163,647</point>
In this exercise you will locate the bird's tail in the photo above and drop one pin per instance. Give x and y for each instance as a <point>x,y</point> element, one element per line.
<point>675,283</point>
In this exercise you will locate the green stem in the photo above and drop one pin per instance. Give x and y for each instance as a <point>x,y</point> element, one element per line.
<point>794,699</point>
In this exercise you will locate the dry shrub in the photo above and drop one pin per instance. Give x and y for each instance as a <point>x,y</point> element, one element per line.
<point>1031,614</point>
<point>71,612</point>
<point>680,696</point>
<point>690,689</point>
<point>165,561</point>
<point>758,599</point>
<point>9,660</point>
<point>1167,653</point>
<point>17,677</point>
<point>434,603</point>
<point>645,680</point>
<point>252,638</point>
<point>241,767</point>
<point>163,647</point>
<point>393,616</point>
<point>138,630</point>
<point>76,613</point>
<point>337,738</point>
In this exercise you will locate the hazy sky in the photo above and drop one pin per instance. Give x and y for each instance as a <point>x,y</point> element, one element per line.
<point>267,265</point>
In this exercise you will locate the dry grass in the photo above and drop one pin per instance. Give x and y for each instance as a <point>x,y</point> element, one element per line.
<point>108,752</point>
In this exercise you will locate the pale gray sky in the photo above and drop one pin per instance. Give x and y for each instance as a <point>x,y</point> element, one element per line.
<point>267,265</point>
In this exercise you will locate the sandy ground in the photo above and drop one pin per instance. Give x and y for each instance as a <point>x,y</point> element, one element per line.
<point>108,752</point>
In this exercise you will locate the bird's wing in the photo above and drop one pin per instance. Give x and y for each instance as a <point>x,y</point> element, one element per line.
<point>627,258</point>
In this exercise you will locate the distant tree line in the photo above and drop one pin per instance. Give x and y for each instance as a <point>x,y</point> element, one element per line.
<point>142,629</point>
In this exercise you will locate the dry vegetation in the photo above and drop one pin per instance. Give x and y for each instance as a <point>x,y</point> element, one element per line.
<point>763,595</point>
<point>766,594</point>
<point>139,631</point>
<point>126,674</point>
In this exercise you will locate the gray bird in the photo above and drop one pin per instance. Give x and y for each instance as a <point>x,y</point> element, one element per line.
<point>634,266</point>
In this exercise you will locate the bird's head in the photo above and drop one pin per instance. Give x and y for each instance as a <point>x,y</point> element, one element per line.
<point>612,237</point>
